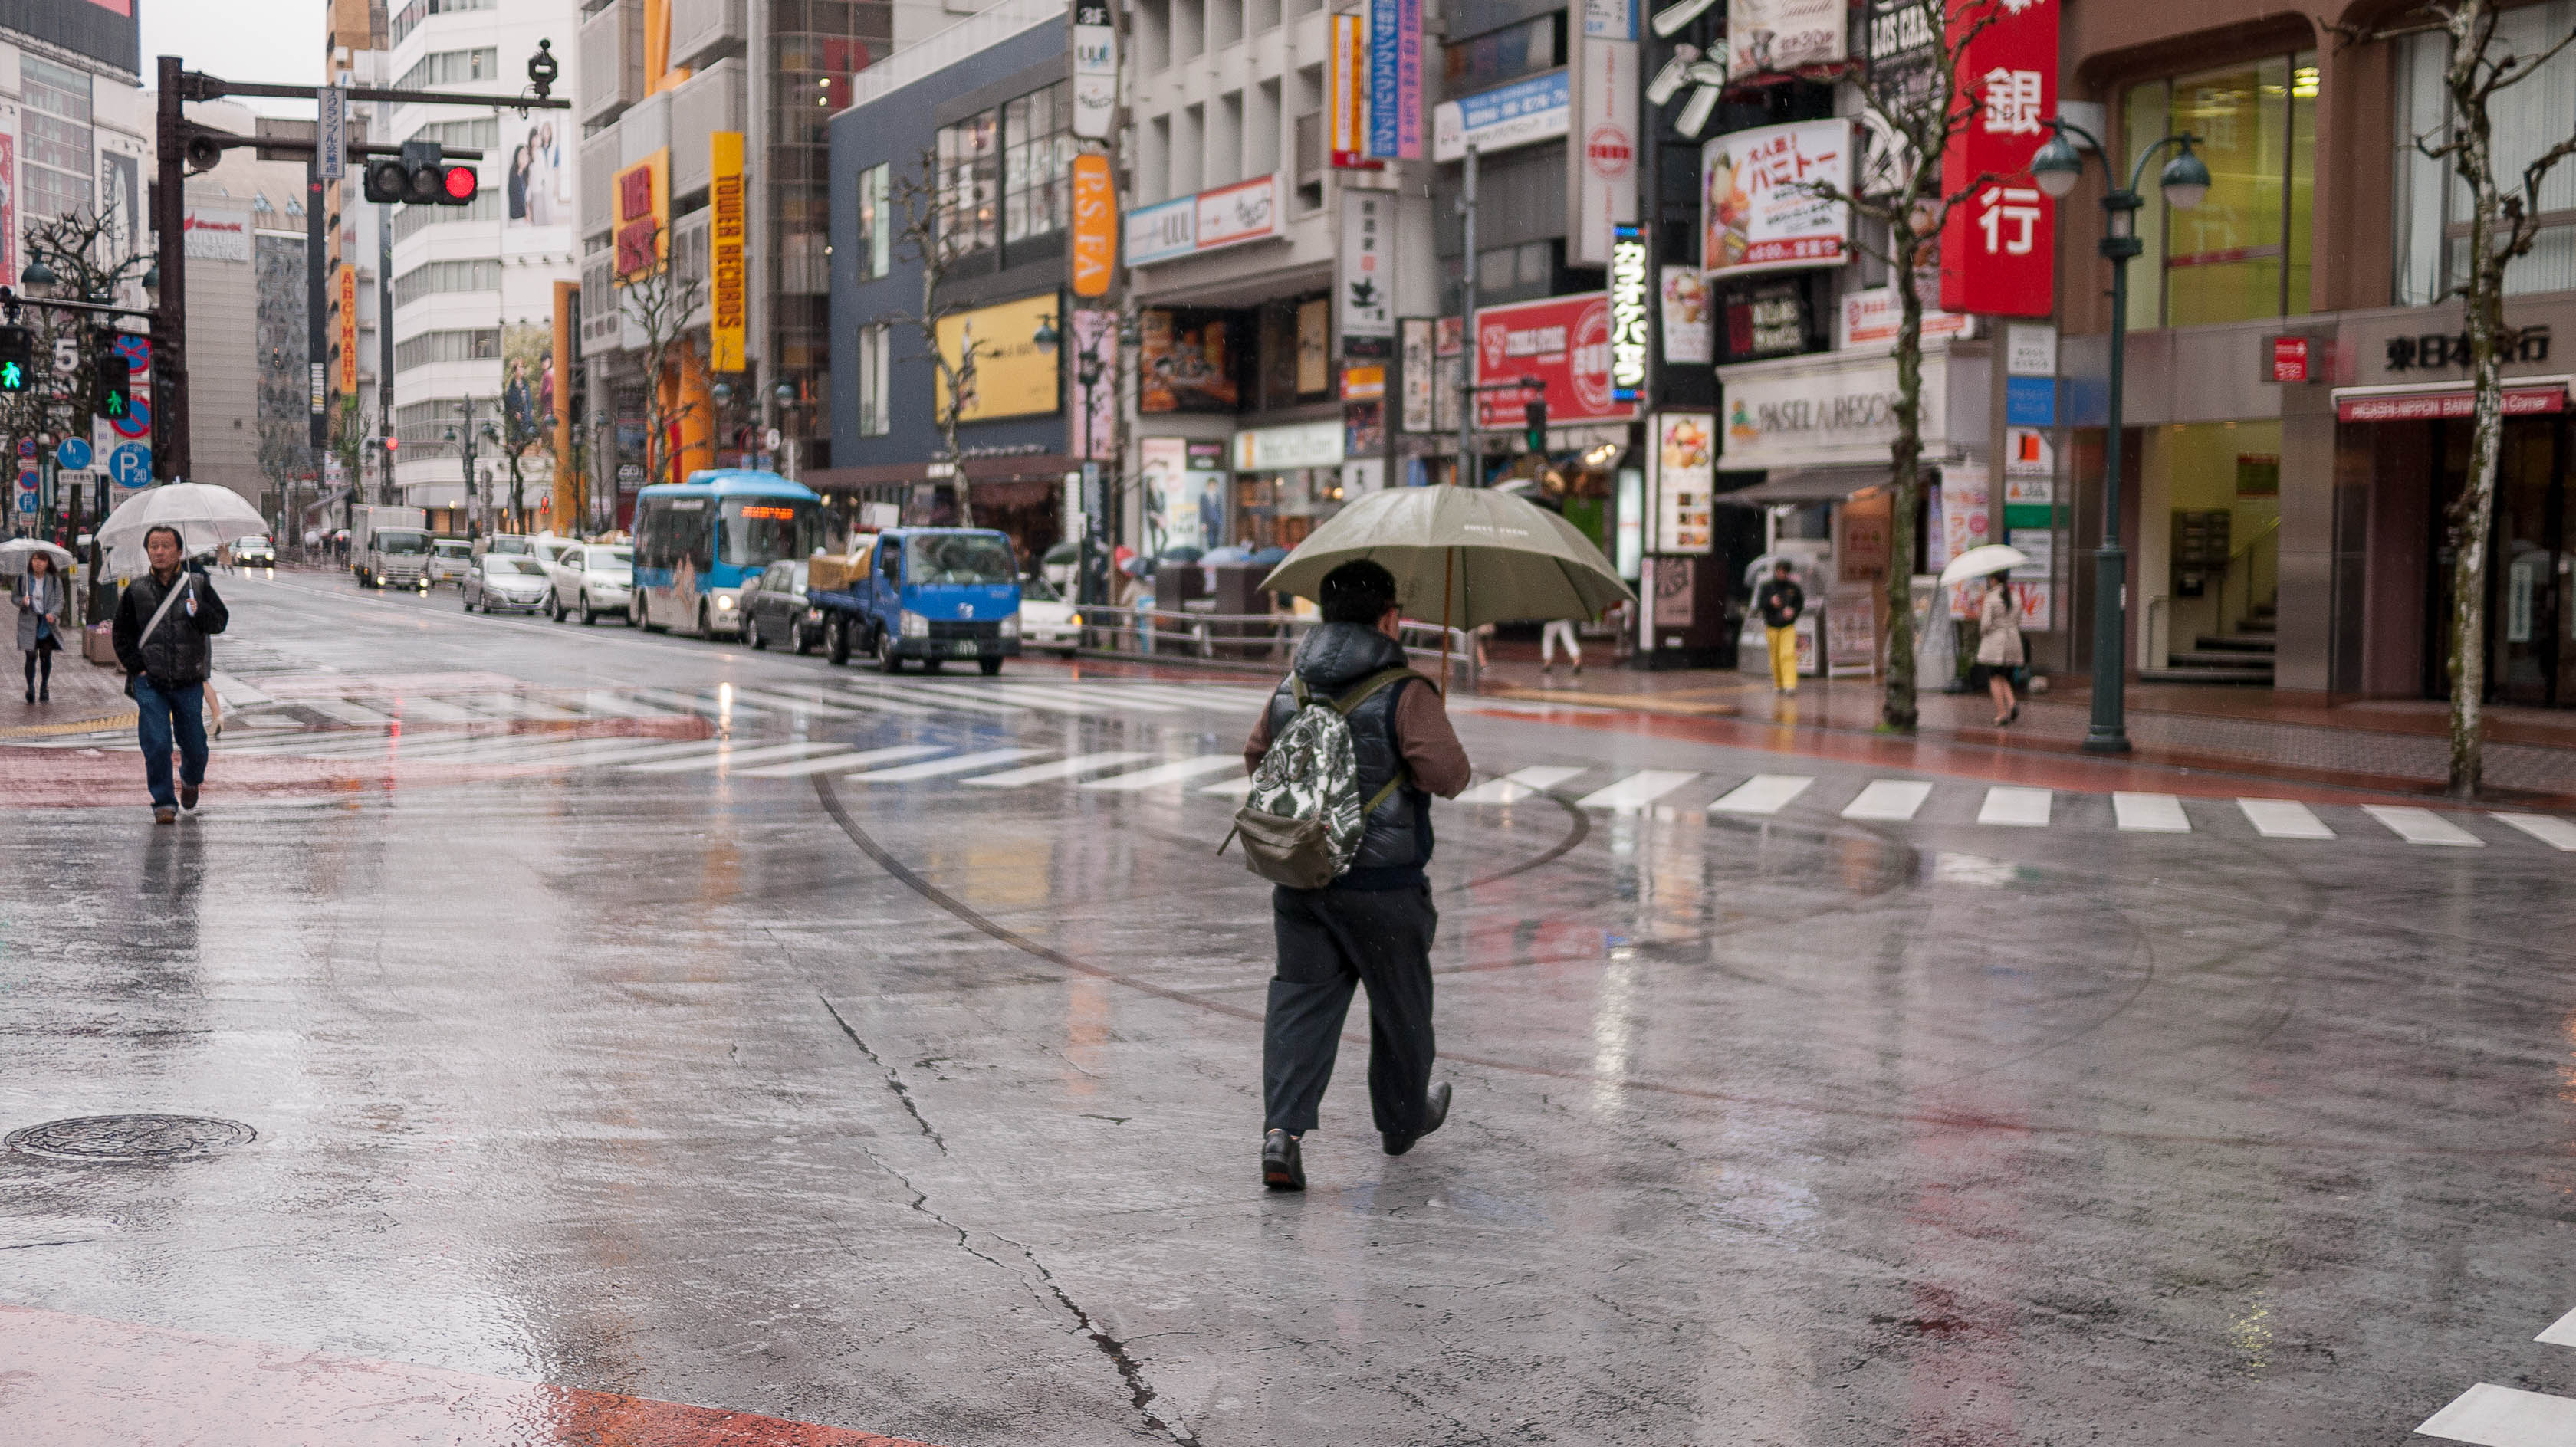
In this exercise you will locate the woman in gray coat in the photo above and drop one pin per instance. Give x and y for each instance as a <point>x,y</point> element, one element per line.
<point>41,601</point>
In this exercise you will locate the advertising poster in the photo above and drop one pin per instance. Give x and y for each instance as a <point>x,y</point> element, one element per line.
<point>1870,318</point>
<point>1999,250</point>
<point>1187,362</point>
<point>1685,480</point>
<point>1395,79</point>
<point>1012,377</point>
<point>536,172</point>
<point>120,203</point>
<point>1347,84</point>
<point>1759,212</point>
<point>218,235</point>
<point>1685,308</point>
<point>729,295</point>
<point>1314,348</point>
<point>1163,474</point>
<point>1367,255</point>
<point>1363,428</point>
<point>1966,522</point>
<point>1091,338</point>
<point>1769,36</point>
<point>1414,348</point>
<point>642,194</point>
<point>1095,225</point>
<point>1563,343</point>
<point>1519,114</point>
<point>527,385</point>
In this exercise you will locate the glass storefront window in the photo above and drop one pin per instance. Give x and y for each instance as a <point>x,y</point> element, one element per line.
<point>2430,211</point>
<point>2242,254</point>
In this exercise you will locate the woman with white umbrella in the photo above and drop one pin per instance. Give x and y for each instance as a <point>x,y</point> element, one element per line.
<point>42,601</point>
<point>1999,645</point>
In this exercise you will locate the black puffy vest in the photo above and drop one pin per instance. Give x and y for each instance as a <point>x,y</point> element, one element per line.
<point>1335,658</point>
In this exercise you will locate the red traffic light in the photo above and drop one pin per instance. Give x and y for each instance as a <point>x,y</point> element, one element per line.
<point>392,442</point>
<point>461,184</point>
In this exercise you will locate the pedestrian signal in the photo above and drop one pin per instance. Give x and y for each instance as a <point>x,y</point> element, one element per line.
<point>114,398</point>
<point>1535,419</point>
<point>17,351</point>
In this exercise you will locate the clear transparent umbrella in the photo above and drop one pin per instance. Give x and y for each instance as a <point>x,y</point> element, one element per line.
<point>206,516</point>
<point>15,552</point>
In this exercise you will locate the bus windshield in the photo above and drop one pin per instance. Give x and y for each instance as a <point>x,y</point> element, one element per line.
<point>759,531</point>
<point>955,558</point>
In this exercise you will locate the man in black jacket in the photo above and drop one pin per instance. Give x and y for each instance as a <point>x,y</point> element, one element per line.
<point>1780,600</point>
<point>1373,925</point>
<point>166,667</point>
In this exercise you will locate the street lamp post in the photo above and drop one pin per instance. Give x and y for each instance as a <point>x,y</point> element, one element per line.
<point>2185,180</point>
<point>1088,371</point>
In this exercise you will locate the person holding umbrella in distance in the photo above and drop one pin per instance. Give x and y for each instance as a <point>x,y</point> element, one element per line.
<point>1999,644</point>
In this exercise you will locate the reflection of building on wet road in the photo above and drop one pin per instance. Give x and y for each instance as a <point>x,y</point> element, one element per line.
<point>616,1021</point>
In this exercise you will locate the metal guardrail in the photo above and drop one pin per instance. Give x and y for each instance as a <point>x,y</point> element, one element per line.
<point>1260,639</point>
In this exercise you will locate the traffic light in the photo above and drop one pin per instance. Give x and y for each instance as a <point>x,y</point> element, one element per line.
<point>1535,419</point>
<point>114,398</point>
<point>421,177</point>
<point>17,353</point>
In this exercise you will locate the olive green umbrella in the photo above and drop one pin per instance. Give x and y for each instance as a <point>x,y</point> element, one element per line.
<point>1467,556</point>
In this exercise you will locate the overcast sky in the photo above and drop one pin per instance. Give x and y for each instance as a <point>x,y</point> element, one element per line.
<point>267,40</point>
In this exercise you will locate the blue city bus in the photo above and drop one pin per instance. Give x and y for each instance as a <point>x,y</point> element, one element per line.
<point>697,542</point>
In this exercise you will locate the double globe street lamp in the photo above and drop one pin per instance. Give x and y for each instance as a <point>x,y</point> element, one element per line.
<point>2057,167</point>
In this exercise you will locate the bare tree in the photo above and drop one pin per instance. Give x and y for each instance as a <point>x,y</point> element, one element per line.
<point>1914,103</point>
<point>662,307</point>
<point>80,248</point>
<point>930,234</point>
<point>2504,221</point>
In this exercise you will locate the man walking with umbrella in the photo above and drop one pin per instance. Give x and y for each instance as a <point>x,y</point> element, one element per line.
<point>162,626</point>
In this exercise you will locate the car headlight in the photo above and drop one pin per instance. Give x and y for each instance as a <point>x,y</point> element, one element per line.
<point>1011,626</point>
<point>912,625</point>
<point>1073,620</point>
<point>723,602</point>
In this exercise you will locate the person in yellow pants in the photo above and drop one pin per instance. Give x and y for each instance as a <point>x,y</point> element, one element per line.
<point>1780,600</point>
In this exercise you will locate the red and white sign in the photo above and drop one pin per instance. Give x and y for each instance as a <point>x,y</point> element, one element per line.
<point>1564,342</point>
<point>2290,359</point>
<point>1999,250</point>
<point>1760,210</point>
<point>1246,211</point>
<point>2447,403</point>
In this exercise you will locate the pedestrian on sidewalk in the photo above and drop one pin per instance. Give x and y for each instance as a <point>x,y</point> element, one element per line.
<point>163,624</point>
<point>1372,926</point>
<point>1999,647</point>
<point>41,601</point>
<point>1780,601</point>
<point>1558,631</point>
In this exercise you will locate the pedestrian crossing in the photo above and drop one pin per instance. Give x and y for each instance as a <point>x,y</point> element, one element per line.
<point>2493,1416</point>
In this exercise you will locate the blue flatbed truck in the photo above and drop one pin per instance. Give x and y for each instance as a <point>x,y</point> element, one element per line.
<point>928,595</point>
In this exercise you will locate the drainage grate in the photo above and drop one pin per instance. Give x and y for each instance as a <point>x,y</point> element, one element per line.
<point>129,1137</point>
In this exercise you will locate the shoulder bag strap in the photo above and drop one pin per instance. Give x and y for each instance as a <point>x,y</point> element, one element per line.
<point>168,597</point>
<point>1368,688</point>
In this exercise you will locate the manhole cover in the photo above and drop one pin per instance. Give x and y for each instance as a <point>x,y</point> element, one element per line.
<point>130,1137</point>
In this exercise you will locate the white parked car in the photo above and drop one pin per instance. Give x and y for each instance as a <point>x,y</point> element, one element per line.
<point>589,579</point>
<point>1047,621</point>
<point>510,581</point>
<point>450,559</point>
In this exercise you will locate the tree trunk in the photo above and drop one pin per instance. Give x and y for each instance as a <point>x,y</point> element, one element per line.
<point>1898,710</point>
<point>2475,513</point>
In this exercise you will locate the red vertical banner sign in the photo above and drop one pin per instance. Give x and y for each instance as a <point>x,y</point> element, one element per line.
<point>1999,250</point>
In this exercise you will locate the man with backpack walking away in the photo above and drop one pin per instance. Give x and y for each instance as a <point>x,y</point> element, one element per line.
<point>1345,760</point>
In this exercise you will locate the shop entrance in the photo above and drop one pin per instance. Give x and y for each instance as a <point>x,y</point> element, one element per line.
<point>2210,551</point>
<point>2531,609</point>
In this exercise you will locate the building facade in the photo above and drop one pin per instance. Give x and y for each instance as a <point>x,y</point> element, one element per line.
<point>245,234</point>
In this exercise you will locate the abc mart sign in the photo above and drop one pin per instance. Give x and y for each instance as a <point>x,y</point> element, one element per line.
<point>1836,410</point>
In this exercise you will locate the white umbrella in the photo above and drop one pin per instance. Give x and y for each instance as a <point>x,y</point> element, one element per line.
<point>1982,562</point>
<point>206,516</point>
<point>15,552</point>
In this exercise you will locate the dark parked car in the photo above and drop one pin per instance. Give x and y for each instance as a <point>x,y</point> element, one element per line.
<point>774,609</point>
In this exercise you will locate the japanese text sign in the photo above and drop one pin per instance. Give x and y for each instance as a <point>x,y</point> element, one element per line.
<point>1563,342</point>
<point>1761,208</point>
<point>1999,250</point>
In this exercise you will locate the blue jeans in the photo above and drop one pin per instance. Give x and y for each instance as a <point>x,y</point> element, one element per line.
<point>158,716</point>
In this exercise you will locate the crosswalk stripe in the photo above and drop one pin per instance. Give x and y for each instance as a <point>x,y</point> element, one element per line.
<point>1179,771</point>
<point>505,748</point>
<point>1231,788</point>
<point>341,710</point>
<point>572,753</point>
<point>834,763</point>
<point>1762,794</point>
<point>2557,833</point>
<point>944,697</point>
<point>2494,1416</point>
<point>698,703</point>
<point>2149,814</point>
<point>609,703</point>
<point>1889,800</point>
<point>646,749</point>
<point>796,703</point>
<point>513,706</point>
<point>2560,1333</point>
<point>1072,768</point>
<point>940,768</point>
<point>2283,819</point>
<point>1638,789</point>
<point>847,696</point>
<point>1089,703</point>
<point>2019,808</point>
<point>1208,698</point>
<point>730,758</point>
<point>2422,826</point>
<point>422,709</point>
<point>1513,787</point>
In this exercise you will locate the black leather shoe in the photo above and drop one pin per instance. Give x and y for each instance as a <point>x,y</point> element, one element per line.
<point>1435,1109</point>
<point>1283,1166</point>
<point>187,796</point>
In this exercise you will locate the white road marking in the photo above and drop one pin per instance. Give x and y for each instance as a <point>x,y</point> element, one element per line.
<point>2283,819</point>
<point>797,703</point>
<point>1762,794</point>
<point>2560,1333</point>
<point>938,695</point>
<point>1638,789</point>
<point>235,693</point>
<point>1514,787</point>
<point>2493,1416</point>
<point>612,703</point>
<point>1179,771</point>
<point>2422,826</point>
<point>731,757</point>
<point>1088,702</point>
<point>1889,800</point>
<point>2557,834</point>
<point>1231,788</point>
<point>341,710</point>
<point>420,708</point>
<point>940,768</point>
<point>834,763</point>
<point>2150,814</point>
<point>1072,768</point>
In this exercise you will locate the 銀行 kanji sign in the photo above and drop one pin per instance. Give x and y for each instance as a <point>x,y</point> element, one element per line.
<point>1998,252</point>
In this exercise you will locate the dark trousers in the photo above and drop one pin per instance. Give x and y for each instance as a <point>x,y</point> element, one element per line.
<point>160,718</point>
<point>1330,941</point>
<point>40,667</point>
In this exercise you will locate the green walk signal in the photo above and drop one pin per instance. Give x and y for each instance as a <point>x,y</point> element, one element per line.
<point>16,351</point>
<point>13,377</point>
<point>114,396</point>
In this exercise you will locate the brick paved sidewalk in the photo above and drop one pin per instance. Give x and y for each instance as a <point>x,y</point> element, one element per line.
<point>84,695</point>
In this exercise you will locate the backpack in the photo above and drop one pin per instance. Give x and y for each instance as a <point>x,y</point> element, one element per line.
<point>1301,825</point>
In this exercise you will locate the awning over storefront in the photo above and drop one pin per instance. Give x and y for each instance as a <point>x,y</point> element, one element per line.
<point>1808,484</point>
<point>2426,402</point>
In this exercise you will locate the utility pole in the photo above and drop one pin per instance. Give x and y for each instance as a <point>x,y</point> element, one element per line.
<point>1462,475</point>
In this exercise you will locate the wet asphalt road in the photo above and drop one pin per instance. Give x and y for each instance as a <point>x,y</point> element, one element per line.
<point>931,1107</point>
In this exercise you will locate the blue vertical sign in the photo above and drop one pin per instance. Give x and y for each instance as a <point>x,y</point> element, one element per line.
<point>1395,79</point>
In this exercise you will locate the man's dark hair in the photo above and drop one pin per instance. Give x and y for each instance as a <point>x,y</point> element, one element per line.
<point>1358,591</point>
<point>176,540</point>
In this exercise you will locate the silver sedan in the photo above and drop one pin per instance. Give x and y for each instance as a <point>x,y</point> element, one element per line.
<point>506,581</point>
<point>591,580</point>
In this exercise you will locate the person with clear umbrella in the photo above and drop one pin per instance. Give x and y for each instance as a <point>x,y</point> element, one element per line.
<point>163,624</point>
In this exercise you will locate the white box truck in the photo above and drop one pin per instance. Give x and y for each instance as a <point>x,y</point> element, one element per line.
<point>389,547</point>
